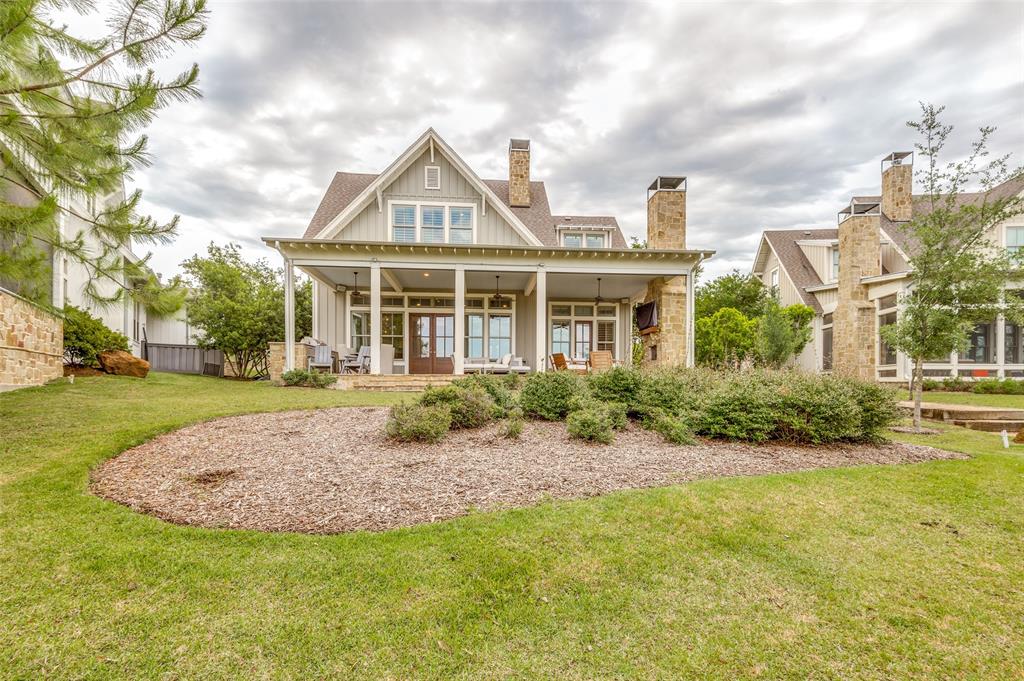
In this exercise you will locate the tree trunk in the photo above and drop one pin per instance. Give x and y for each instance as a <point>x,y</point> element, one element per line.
<point>918,387</point>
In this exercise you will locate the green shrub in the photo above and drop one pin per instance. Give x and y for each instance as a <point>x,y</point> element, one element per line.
<point>514,425</point>
<point>548,395</point>
<point>673,428</point>
<point>617,415</point>
<point>995,386</point>
<point>955,384</point>
<point>512,380</point>
<point>470,408</point>
<point>742,407</point>
<point>85,337</point>
<point>879,408</point>
<point>590,424</point>
<point>931,384</point>
<point>309,379</point>
<point>494,386</point>
<point>418,422</point>
<point>618,384</point>
<point>814,410</point>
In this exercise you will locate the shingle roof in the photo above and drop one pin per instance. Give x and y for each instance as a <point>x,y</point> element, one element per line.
<point>345,187</point>
<point>793,260</point>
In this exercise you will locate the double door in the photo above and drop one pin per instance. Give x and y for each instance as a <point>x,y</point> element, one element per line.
<point>431,343</point>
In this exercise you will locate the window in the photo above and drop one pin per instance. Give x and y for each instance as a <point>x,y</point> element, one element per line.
<point>392,332</point>
<point>595,241</point>
<point>583,335</point>
<point>775,279</point>
<point>606,336</point>
<point>572,240</point>
<point>835,264</point>
<point>579,239</point>
<point>826,342</point>
<point>433,224</point>
<point>403,223</point>
<point>499,336</point>
<point>360,329</point>
<point>461,219</point>
<point>583,310</point>
<point>981,349</point>
<point>886,353</point>
<point>474,335</point>
<point>560,337</point>
<point>1013,336</point>
<point>561,310</point>
<point>1015,240</point>
<point>432,177</point>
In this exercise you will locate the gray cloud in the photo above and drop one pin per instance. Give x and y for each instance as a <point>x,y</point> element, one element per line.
<point>777,113</point>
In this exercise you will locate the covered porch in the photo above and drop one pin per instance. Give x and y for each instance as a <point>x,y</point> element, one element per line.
<point>450,310</point>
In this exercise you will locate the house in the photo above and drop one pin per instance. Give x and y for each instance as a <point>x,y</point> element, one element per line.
<point>854,275</point>
<point>436,270</point>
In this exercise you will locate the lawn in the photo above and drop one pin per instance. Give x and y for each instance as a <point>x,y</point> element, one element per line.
<point>872,572</point>
<point>981,400</point>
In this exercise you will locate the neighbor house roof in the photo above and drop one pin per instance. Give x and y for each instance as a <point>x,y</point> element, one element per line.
<point>793,260</point>
<point>345,187</point>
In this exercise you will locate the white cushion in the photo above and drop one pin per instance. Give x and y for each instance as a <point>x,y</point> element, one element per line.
<point>506,359</point>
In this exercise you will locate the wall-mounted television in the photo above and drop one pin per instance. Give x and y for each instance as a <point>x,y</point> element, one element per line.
<point>646,316</point>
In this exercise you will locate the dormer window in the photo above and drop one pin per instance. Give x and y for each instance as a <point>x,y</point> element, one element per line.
<point>584,240</point>
<point>835,264</point>
<point>432,177</point>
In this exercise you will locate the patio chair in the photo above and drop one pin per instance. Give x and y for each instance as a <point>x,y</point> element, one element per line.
<point>322,358</point>
<point>560,363</point>
<point>360,364</point>
<point>600,360</point>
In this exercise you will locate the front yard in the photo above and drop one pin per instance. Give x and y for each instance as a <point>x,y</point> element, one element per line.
<point>871,572</point>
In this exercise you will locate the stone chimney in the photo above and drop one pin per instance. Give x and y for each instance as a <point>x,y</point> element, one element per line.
<point>666,213</point>
<point>519,173</point>
<point>855,318</point>
<point>897,186</point>
<point>666,228</point>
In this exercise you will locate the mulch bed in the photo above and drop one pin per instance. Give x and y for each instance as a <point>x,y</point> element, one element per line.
<point>82,371</point>
<point>333,470</point>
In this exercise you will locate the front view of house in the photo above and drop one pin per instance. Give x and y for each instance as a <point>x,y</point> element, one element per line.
<point>428,269</point>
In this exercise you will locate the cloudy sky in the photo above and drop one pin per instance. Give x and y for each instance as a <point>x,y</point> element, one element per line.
<point>777,113</point>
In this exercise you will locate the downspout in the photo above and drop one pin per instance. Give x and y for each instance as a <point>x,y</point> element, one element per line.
<point>690,341</point>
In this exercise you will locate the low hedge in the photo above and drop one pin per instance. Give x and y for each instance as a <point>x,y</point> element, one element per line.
<point>592,424</point>
<point>469,407</point>
<point>418,422</point>
<point>308,379</point>
<point>549,395</point>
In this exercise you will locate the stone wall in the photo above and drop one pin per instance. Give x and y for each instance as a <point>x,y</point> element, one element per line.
<point>32,344</point>
<point>855,319</point>
<point>277,355</point>
<point>519,177</point>
<point>897,188</point>
<point>667,346</point>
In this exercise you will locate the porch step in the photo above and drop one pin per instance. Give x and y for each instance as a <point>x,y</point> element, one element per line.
<point>393,383</point>
<point>964,412</point>
<point>991,425</point>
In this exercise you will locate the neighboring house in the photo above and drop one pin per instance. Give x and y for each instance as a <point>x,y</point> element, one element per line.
<point>853,277</point>
<point>70,278</point>
<point>444,270</point>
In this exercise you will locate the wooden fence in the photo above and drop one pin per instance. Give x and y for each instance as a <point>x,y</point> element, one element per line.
<point>183,359</point>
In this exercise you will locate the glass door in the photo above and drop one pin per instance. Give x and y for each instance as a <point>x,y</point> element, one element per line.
<point>583,333</point>
<point>431,343</point>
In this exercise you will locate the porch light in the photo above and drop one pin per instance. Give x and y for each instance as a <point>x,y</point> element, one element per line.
<point>355,282</point>
<point>497,297</point>
<point>598,300</point>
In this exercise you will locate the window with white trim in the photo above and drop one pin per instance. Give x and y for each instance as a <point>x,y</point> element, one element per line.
<point>403,223</point>
<point>460,230</point>
<point>432,221</point>
<point>1015,241</point>
<point>432,177</point>
<point>576,329</point>
<point>774,279</point>
<point>835,264</point>
<point>826,342</point>
<point>584,240</point>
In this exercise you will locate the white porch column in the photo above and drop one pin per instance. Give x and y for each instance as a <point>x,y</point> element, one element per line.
<point>541,321</point>
<point>1001,345</point>
<point>460,319</point>
<point>289,315</point>
<point>375,318</point>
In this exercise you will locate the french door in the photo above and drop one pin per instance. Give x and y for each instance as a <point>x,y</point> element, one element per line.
<point>431,343</point>
<point>584,333</point>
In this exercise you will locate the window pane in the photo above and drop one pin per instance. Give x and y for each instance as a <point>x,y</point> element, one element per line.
<point>835,264</point>
<point>404,216</point>
<point>982,345</point>
<point>461,217</point>
<point>583,339</point>
<point>887,302</point>
<point>475,303</point>
<point>405,235</point>
<point>1013,344</point>
<point>561,310</point>
<point>392,301</point>
<point>572,240</point>
<point>826,349</point>
<point>475,335</point>
<point>886,354</point>
<point>606,336</point>
<point>584,311</point>
<point>433,216</point>
<point>560,337</point>
<point>1014,237</point>
<point>595,241</point>
<point>504,304</point>
<point>460,235</point>
<point>444,302</point>
<point>499,329</point>
<point>419,302</point>
<point>606,311</point>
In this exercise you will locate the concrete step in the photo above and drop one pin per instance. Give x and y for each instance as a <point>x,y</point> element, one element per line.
<point>964,412</point>
<point>991,425</point>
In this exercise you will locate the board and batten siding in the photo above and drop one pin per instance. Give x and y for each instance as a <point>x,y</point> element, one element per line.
<point>820,257</point>
<point>788,293</point>
<point>372,225</point>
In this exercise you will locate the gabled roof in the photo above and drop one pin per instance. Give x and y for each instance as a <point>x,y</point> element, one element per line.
<point>605,222</point>
<point>792,260</point>
<point>351,192</point>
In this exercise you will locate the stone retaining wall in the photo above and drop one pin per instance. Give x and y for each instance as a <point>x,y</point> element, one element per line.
<point>31,344</point>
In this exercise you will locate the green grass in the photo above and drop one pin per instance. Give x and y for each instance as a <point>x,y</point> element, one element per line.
<point>871,572</point>
<point>981,400</point>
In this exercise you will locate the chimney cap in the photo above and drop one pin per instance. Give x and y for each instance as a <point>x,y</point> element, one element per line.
<point>518,144</point>
<point>896,158</point>
<point>670,182</point>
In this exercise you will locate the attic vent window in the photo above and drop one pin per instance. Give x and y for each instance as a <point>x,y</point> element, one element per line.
<point>432,177</point>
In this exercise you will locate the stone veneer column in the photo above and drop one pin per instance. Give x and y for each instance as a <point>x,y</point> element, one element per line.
<point>666,229</point>
<point>897,188</point>
<point>519,173</point>
<point>31,343</point>
<point>855,319</point>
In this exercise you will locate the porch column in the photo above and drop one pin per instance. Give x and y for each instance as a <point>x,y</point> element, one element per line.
<point>541,321</point>
<point>1001,345</point>
<point>460,319</point>
<point>289,315</point>
<point>375,318</point>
